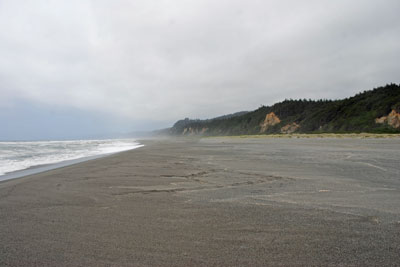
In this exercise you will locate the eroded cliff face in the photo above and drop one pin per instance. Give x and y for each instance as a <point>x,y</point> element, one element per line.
<point>270,120</point>
<point>290,128</point>
<point>203,131</point>
<point>194,131</point>
<point>393,119</point>
<point>381,120</point>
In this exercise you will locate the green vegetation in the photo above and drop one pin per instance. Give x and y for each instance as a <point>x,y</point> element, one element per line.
<point>356,114</point>
<point>313,135</point>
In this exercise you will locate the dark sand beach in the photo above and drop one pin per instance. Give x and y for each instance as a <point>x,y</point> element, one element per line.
<point>211,202</point>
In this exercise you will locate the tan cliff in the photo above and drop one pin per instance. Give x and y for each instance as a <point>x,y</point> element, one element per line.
<point>290,128</point>
<point>193,131</point>
<point>393,119</point>
<point>270,120</point>
<point>203,131</point>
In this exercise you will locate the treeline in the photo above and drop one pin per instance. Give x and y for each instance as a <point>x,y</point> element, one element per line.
<point>351,115</point>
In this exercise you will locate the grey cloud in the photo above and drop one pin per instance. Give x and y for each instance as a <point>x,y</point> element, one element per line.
<point>164,60</point>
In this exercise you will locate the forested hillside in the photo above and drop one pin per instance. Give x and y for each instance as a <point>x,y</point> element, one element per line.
<point>375,111</point>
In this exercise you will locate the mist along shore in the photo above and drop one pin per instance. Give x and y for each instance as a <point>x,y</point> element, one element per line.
<point>211,202</point>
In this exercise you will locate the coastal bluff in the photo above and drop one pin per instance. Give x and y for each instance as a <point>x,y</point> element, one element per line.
<point>373,111</point>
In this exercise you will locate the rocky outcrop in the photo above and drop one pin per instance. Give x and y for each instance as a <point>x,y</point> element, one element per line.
<point>290,128</point>
<point>393,119</point>
<point>270,120</point>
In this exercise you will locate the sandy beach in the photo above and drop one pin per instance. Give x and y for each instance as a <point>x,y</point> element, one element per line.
<point>211,202</point>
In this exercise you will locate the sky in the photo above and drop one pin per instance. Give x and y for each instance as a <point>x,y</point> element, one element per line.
<point>80,68</point>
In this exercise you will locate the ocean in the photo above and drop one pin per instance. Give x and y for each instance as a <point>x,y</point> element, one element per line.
<point>16,156</point>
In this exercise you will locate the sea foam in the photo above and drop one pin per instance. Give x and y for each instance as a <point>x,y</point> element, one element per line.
<point>15,156</point>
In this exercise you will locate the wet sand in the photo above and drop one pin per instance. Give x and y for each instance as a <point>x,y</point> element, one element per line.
<point>211,202</point>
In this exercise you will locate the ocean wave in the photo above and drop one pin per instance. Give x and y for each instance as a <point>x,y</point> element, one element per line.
<point>15,156</point>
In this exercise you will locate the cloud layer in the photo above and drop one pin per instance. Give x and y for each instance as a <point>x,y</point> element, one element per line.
<point>164,60</point>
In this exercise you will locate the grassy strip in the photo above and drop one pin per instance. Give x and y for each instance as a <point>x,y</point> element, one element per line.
<point>323,135</point>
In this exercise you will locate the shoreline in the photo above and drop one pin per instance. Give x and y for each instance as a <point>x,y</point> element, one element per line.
<point>211,202</point>
<point>37,169</point>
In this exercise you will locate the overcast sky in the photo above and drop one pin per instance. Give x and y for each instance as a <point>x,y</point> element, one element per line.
<point>75,68</point>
